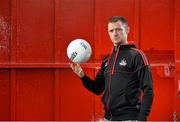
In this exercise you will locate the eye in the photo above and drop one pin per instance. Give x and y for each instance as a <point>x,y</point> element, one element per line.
<point>110,31</point>
<point>118,29</point>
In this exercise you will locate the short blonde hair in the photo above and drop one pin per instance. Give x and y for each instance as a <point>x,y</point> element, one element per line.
<point>118,18</point>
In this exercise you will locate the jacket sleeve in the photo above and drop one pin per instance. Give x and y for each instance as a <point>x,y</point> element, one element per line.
<point>97,85</point>
<point>146,85</point>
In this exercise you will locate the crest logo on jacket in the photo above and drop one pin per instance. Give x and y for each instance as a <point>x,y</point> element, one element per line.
<point>123,62</point>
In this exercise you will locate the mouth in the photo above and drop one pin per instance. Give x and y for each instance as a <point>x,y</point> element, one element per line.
<point>116,39</point>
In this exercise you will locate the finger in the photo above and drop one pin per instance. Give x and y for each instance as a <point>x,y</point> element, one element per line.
<point>72,66</point>
<point>76,69</point>
<point>78,66</point>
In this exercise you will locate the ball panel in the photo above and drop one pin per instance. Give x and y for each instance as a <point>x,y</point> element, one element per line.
<point>79,51</point>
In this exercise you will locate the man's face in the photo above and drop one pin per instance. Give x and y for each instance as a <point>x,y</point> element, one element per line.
<point>118,33</point>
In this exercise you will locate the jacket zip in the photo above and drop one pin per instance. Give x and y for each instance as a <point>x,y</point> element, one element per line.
<point>117,52</point>
<point>109,83</point>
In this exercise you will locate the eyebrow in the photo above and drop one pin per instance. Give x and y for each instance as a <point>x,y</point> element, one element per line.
<point>119,28</point>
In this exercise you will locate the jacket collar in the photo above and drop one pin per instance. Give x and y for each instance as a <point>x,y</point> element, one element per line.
<point>130,44</point>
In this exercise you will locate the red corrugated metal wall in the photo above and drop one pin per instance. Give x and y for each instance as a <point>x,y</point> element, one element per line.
<point>177,58</point>
<point>35,80</point>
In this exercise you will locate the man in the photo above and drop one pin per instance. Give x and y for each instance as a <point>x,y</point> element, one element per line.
<point>123,75</point>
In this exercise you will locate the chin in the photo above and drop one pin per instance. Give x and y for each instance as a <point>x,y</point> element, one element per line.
<point>117,42</point>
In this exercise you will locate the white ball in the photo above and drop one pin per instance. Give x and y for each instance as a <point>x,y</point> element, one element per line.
<point>79,51</point>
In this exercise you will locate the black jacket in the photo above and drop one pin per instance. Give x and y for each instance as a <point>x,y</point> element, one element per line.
<point>123,75</point>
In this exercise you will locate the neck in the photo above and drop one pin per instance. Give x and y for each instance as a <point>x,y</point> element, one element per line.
<point>122,43</point>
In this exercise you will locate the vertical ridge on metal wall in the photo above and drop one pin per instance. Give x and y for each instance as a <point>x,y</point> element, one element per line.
<point>14,14</point>
<point>57,111</point>
<point>136,20</point>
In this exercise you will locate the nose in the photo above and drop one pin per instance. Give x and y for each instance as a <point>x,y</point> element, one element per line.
<point>115,33</point>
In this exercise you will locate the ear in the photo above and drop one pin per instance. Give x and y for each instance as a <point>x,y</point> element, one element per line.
<point>128,29</point>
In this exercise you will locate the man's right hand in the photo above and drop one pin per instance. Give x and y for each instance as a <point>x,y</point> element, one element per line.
<point>77,69</point>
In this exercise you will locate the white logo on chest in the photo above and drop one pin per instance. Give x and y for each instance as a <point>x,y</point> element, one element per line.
<point>123,62</point>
